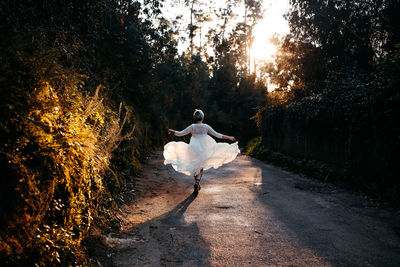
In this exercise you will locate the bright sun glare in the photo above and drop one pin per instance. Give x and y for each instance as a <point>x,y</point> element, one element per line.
<point>262,48</point>
<point>272,23</point>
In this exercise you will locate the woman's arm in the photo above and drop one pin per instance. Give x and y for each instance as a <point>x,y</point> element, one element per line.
<point>181,133</point>
<point>233,139</point>
<point>212,132</point>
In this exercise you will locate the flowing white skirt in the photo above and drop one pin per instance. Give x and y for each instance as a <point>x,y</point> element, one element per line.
<point>203,152</point>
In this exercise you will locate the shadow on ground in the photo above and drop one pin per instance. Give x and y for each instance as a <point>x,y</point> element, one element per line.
<point>166,240</point>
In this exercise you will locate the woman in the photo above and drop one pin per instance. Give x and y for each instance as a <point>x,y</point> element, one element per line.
<point>202,152</point>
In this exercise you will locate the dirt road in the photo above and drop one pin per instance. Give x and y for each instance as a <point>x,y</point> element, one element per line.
<point>249,213</point>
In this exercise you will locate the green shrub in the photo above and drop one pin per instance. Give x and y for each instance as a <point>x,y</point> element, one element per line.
<point>253,145</point>
<point>310,168</point>
<point>56,155</point>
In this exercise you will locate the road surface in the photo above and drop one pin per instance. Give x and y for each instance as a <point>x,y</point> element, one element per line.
<point>249,213</point>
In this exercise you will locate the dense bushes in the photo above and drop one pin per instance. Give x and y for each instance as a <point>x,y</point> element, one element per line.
<point>57,137</point>
<point>309,167</point>
<point>57,141</point>
<point>57,154</point>
<point>58,145</point>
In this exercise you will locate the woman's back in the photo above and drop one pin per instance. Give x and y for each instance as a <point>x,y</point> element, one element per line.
<point>199,129</point>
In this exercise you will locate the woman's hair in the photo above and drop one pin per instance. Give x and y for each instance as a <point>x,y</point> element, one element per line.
<point>198,115</point>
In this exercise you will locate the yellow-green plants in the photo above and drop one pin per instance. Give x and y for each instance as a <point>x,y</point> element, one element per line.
<point>57,159</point>
<point>253,145</point>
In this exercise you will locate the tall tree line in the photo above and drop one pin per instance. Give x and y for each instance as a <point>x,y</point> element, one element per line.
<point>337,99</point>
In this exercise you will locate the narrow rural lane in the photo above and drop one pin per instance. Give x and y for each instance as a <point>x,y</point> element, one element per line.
<point>249,213</point>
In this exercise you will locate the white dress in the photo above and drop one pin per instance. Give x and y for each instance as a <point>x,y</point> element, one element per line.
<point>201,153</point>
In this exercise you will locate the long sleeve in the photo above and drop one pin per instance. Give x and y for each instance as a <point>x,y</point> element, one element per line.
<point>184,132</point>
<point>212,132</point>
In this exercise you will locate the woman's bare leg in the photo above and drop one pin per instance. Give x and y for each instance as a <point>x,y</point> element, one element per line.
<point>200,175</point>
<point>197,179</point>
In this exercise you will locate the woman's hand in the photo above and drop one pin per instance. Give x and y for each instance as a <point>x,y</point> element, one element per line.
<point>170,131</point>
<point>230,138</point>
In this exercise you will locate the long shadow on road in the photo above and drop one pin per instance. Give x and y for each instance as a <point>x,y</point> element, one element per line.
<point>166,240</point>
<point>184,243</point>
<point>175,216</point>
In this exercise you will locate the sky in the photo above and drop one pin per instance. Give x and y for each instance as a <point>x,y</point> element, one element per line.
<point>272,23</point>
